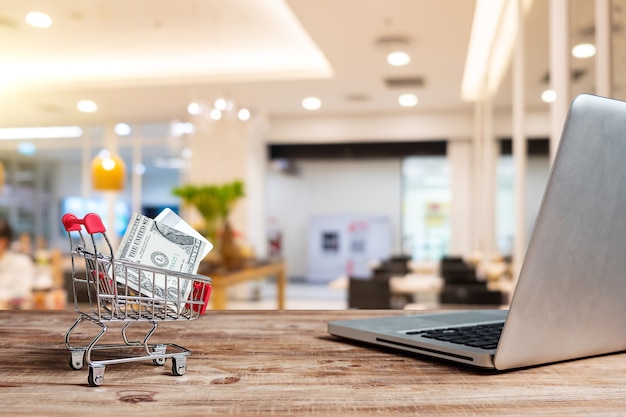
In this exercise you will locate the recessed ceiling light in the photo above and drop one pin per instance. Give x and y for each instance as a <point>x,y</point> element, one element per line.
<point>220,104</point>
<point>194,108</point>
<point>123,129</point>
<point>182,128</point>
<point>407,100</point>
<point>38,20</point>
<point>215,114</point>
<point>243,114</point>
<point>140,169</point>
<point>398,58</point>
<point>311,103</point>
<point>87,106</point>
<point>548,96</point>
<point>51,132</point>
<point>583,50</point>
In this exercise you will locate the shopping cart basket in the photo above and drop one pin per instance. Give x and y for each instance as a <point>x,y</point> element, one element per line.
<point>113,295</point>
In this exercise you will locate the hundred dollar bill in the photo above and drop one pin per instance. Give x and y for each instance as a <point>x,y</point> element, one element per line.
<point>148,242</point>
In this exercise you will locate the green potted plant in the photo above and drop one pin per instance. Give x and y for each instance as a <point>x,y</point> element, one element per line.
<point>214,202</point>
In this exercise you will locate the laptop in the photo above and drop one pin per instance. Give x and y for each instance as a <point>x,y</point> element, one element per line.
<point>569,302</point>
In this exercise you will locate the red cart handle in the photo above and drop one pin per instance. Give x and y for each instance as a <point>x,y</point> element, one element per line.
<point>92,222</point>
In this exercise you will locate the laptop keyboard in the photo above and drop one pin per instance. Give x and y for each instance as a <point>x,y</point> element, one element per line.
<point>483,336</point>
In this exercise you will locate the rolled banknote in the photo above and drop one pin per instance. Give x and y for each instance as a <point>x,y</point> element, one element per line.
<point>148,242</point>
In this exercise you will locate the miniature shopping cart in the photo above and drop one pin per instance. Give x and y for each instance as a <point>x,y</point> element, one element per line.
<point>126,292</point>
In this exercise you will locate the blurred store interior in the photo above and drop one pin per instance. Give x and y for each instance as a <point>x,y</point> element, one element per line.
<point>422,176</point>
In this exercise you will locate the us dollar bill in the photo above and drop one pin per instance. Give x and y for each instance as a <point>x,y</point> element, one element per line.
<point>152,243</point>
<point>171,219</point>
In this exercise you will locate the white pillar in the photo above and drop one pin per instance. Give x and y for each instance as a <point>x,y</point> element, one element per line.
<point>136,184</point>
<point>603,48</point>
<point>519,142</point>
<point>111,143</point>
<point>477,204</point>
<point>559,69</point>
<point>488,168</point>
<point>459,153</point>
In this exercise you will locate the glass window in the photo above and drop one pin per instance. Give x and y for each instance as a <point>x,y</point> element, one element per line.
<point>426,207</point>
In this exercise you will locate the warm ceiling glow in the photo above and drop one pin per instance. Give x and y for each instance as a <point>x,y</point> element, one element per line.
<point>398,58</point>
<point>87,106</point>
<point>311,103</point>
<point>51,132</point>
<point>408,100</point>
<point>39,20</point>
<point>583,50</point>
<point>283,51</point>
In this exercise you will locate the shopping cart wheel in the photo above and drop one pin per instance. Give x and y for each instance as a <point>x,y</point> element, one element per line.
<point>159,350</point>
<point>76,360</point>
<point>159,361</point>
<point>96,375</point>
<point>179,365</point>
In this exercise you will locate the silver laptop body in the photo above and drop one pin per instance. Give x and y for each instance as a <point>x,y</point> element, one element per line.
<point>569,302</point>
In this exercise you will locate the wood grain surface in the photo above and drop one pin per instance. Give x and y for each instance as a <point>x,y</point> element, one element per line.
<point>283,363</point>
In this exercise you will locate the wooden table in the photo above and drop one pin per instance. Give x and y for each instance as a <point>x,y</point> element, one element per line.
<point>221,282</point>
<point>284,363</point>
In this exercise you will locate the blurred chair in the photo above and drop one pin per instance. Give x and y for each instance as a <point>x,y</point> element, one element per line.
<point>369,293</point>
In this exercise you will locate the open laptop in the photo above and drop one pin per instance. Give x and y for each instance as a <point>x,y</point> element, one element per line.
<point>570,299</point>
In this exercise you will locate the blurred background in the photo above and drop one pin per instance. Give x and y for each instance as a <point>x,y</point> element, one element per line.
<point>400,144</point>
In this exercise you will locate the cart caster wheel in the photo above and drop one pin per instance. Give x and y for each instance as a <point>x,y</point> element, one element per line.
<point>96,376</point>
<point>158,361</point>
<point>179,366</point>
<point>76,360</point>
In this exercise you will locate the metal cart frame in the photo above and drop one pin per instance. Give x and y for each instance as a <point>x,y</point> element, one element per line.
<point>113,297</point>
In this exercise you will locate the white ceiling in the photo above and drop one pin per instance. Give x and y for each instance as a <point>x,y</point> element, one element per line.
<point>144,60</point>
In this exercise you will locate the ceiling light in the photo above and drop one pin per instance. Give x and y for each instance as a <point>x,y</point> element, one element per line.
<point>311,103</point>
<point>107,172</point>
<point>398,58</point>
<point>548,96</point>
<point>52,132</point>
<point>494,30</point>
<point>407,100</point>
<point>194,108</point>
<point>395,47</point>
<point>38,20</point>
<point>87,106</point>
<point>220,104</point>
<point>182,128</point>
<point>243,114</point>
<point>583,50</point>
<point>215,114</point>
<point>140,169</point>
<point>123,129</point>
